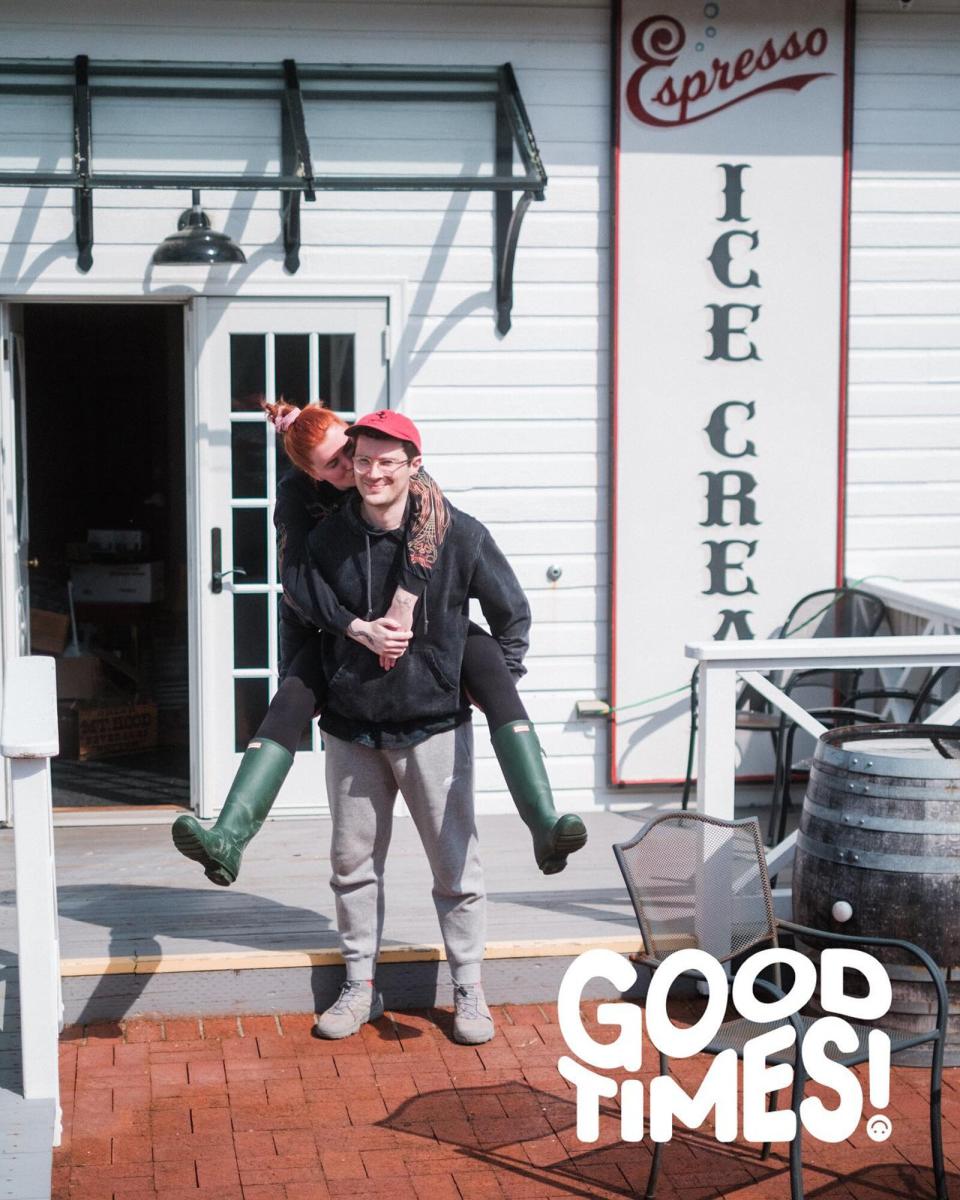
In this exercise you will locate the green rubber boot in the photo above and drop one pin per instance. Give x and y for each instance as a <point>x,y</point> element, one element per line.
<point>262,770</point>
<point>518,751</point>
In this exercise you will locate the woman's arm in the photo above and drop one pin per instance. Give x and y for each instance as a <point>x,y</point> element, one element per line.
<point>300,507</point>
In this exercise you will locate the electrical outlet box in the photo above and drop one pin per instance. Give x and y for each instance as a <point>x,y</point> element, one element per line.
<point>593,708</point>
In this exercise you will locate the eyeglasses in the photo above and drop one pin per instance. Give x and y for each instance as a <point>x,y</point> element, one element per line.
<point>389,466</point>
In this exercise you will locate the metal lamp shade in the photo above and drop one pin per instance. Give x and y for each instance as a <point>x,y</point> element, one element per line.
<point>195,243</point>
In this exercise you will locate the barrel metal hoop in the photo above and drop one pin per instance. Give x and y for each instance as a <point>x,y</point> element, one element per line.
<point>884,787</point>
<point>917,864</point>
<point>836,816</point>
<point>907,974</point>
<point>863,761</point>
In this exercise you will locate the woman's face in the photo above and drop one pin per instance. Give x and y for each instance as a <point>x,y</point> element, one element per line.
<point>330,460</point>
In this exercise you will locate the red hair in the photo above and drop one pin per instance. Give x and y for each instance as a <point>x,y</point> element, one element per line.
<point>305,432</point>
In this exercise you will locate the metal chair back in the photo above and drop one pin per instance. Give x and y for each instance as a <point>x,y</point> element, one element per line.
<point>835,612</point>
<point>698,882</point>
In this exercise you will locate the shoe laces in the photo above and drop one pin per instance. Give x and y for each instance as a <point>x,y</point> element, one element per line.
<point>466,998</point>
<point>350,993</point>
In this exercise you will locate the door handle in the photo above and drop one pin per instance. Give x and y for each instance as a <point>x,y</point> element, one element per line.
<point>219,576</point>
<point>216,558</point>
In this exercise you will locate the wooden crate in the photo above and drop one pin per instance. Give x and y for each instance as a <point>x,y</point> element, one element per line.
<point>99,730</point>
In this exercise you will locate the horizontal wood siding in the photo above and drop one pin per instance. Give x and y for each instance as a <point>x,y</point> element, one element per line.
<point>903,515</point>
<point>516,429</point>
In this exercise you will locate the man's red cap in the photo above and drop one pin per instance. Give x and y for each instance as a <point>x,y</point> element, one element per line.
<point>387,420</point>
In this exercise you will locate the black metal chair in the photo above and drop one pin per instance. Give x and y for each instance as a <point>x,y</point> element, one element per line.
<point>829,612</point>
<point>664,867</point>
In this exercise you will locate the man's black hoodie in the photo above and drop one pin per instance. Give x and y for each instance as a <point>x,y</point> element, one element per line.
<point>421,695</point>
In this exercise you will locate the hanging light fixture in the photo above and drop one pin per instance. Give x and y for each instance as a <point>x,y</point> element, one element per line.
<point>195,242</point>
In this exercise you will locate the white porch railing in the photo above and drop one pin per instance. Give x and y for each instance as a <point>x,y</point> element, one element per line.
<point>721,663</point>
<point>919,608</point>
<point>29,739</point>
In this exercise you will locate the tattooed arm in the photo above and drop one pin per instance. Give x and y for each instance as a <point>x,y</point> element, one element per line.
<point>426,529</point>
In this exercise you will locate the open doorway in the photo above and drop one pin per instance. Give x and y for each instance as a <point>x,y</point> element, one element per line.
<point>102,418</point>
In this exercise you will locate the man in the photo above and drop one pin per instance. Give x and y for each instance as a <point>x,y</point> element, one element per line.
<point>406,729</point>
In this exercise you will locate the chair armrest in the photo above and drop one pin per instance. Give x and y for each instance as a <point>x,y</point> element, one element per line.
<point>850,939</point>
<point>884,694</point>
<point>920,698</point>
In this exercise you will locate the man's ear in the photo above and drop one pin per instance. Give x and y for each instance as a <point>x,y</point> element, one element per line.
<point>416,463</point>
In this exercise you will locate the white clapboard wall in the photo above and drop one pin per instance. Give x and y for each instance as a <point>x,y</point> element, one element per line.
<point>516,429</point>
<point>904,397</point>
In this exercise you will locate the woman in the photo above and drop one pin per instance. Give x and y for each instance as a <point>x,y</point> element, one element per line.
<point>315,441</point>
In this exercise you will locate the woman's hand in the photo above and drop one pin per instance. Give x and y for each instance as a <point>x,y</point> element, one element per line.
<point>384,637</point>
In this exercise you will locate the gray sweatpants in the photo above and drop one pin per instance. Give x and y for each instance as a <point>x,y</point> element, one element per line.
<point>435,778</point>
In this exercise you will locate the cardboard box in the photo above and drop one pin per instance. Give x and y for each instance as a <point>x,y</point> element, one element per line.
<point>118,541</point>
<point>117,583</point>
<point>79,678</point>
<point>49,631</point>
<point>98,731</point>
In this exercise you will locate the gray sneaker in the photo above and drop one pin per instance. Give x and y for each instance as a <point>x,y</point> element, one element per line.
<point>357,1003</point>
<point>472,1023</point>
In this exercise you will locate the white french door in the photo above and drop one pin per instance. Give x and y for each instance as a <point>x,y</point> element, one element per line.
<point>14,575</point>
<point>334,350</point>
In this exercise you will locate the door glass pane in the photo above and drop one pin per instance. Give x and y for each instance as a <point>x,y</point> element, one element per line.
<point>248,443</point>
<point>250,700</point>
<point>250,544</point>
<point>336,371</point>
<point>250,641</point>
<point>292,368</point>
<point>248,371</point>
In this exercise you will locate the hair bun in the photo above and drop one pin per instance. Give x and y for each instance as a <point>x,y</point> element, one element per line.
<point>282,423</point>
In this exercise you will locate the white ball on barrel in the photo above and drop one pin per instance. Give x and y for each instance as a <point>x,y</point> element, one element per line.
<point>842,911</point>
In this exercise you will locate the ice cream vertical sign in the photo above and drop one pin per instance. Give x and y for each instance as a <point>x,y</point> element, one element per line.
<point>730,170</point>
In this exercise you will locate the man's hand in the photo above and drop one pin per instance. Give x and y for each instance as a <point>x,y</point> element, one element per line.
<point>384,637</point>
<point>401,611</point>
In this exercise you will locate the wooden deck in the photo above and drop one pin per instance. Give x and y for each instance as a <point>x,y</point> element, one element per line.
<point>142,931</point>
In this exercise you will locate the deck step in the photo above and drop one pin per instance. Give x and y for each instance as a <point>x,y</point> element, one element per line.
<point>267,981</point>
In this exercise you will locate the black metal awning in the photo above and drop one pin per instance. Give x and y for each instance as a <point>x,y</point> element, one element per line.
<point>289,85</point>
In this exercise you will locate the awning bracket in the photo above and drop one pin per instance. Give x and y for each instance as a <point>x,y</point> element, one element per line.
<point>82,138</point>
<point>295,160</point>
<point>508,234</point>
<point>513,128</point>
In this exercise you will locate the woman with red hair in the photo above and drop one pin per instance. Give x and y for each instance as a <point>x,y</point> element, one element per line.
<point>316,443</point>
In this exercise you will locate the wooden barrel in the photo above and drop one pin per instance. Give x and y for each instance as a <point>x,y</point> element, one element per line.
<point>880,830</point>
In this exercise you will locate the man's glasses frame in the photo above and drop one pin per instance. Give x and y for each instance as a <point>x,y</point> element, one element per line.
<point>389,466</point>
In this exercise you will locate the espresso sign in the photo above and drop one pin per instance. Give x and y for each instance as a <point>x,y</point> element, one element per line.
<point>729,259</point>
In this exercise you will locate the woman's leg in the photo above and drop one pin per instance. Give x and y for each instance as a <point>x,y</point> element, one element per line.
<point>517,747</point>
<point>263,768</point>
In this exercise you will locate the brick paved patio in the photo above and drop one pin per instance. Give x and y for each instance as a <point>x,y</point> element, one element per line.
<point>253,1108</point>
